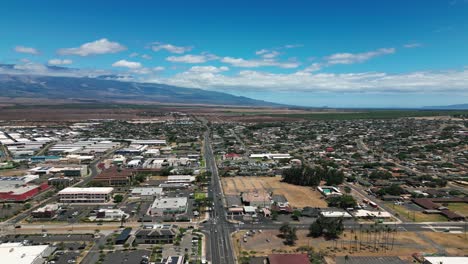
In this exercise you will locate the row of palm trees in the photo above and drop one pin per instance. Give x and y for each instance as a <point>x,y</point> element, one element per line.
<point>376,237</point>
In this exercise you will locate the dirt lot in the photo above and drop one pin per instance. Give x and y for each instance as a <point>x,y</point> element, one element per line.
<point>416,216</point>
<point>298,196</point>
<point>405,244</point>
<point>455,244</point>
<point>13,172</point>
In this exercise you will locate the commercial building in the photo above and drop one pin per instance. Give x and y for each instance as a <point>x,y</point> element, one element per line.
<point>301,258</point>
<point>180,179</point>
<point>110,215</point>
<point>115,176</point>
<point>19,253</point>
<point>147,193</point>
<point>47,211</point>
<point>85,195</point>
<point>165,206</point>
<point>157,234</point>
<point>257,199</point>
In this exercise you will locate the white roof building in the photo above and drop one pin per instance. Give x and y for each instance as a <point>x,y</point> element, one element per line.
<point>271,156</point>
<point>20,254</point>
<point>173,205</point>
<point>147,191</point>
<point>180,179</point>
<point>375,214</point>
<point>86,195</point>
<point>88,190</point>
<point>337,214</point>
<point>445,260</point>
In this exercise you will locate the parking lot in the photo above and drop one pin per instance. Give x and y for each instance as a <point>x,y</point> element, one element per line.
<point>43,239</point>
<point>126,257</point>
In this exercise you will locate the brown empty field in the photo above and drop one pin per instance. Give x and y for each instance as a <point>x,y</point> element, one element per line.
<point>405,244</point>
<point>454,244</point>
<point>13,172</point>
<point>298,196</point>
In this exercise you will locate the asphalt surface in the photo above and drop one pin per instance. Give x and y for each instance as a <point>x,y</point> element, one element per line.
<point>217,228</point>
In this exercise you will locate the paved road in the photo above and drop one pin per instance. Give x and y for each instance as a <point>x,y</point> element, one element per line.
<point>217,229</point>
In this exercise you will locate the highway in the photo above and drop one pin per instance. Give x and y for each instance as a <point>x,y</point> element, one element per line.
<point>217,229</point>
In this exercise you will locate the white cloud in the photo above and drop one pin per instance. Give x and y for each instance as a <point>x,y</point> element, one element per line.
<point>350,58</point>
<point>34,68</point>
<point>262,51</point>
<point>157,46</point>
<point>59,62</point>
<point>27,50</point>
<point>313,67</point>
<point>101,46</point>
<point>271,55</point>
<point>146,57</point>
<point>243,63</point>
<point>211,69</point>
<point>412,45</point>
<point>127,64</point>
<point>367,82</point>
<point>189,58</point>
<point>133,54</point>
<point>293,46</point>
<point>159,68</point>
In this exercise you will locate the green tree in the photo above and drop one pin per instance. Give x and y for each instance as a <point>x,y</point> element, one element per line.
<point>118,198</point>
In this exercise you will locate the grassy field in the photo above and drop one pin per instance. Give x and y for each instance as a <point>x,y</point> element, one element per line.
<point>460,208</point>
<point>416,216</point>
<point>200,196</point>
<point>298,196</point>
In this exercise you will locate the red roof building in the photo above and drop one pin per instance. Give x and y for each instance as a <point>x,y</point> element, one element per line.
<point>288,259</point>
<point>22,193</point>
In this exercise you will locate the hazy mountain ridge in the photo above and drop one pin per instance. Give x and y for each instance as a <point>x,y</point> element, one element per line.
<point>104,89</point>
<point>448,107</point>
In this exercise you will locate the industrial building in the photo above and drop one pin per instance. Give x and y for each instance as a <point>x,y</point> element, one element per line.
<point>18,189</point>
<point>86,195</point>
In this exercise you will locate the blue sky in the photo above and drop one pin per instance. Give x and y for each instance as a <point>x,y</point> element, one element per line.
<point>313,53</point>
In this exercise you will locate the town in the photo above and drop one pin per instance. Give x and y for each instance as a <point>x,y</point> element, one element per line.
<point>179,187</point>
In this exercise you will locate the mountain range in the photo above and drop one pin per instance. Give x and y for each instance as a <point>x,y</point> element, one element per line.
<point>103,88</point>
<point>448,107</point>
